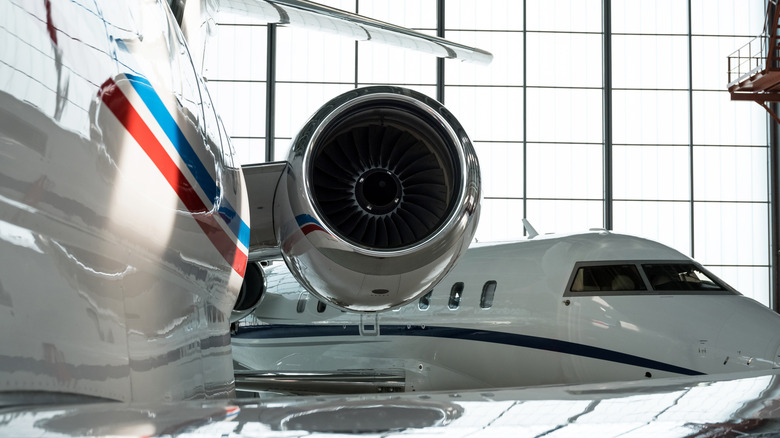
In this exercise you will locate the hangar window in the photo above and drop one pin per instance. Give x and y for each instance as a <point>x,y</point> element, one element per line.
<point>455,295</point>
<point>681,277</point>
<point>607,278</point>
<point>425,301</point>
<point>488,291</point>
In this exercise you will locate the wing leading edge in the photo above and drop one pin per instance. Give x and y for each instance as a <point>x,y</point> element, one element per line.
<point>323,18</point>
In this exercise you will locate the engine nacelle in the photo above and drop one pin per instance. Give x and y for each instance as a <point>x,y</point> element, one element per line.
<point>381,198</point>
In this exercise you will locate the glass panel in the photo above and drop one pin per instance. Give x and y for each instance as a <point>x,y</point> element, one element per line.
<point>651,172</point>
<point>379,64</point>
<point>488,292</point>
<point>281,148</point>
<point>425,301</point>
<point>249,150</point>
<point>505,69</point>
<point>345,5</point>
<point>455,295</point>
<point>563,216</point>
<point>677,276</point>
<point>720,173</point>
<point>477,14</point>
<point>564,15</point>
<point>641,61</point>
<point>415,14</point>
<point>607,278</point>
<point>241,105</point>
<point>731,233</point>
<point>649,16</point>
<point>303,55</point>
<point>565,115</point>
<point>500,220</point>
<point>236,53</point>
<point>302,299</point>
<point>665,222</point>
<point>572,171</point>
<point>564,59</point>
<point>650,117</point>
<point>488,113</point>
<point>727,17</point>
<point>718,120</point>
<point>501,168</point>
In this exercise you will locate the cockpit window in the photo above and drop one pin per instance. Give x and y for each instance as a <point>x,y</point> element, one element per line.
<point>607,278</point>
<point>679,276</point>
<point>643,278</point>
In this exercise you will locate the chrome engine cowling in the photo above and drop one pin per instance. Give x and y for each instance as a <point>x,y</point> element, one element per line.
<point>380,198</point>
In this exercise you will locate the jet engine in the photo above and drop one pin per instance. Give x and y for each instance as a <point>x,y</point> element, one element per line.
<point>380,198</point>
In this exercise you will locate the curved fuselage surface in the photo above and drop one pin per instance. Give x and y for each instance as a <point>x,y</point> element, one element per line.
<point>122,227</point>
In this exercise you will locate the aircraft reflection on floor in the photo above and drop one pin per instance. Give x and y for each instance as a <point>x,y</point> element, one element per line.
<point>685,406</point>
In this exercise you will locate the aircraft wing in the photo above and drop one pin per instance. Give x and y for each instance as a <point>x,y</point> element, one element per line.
<point>725,405</point>
<point>320,17</point>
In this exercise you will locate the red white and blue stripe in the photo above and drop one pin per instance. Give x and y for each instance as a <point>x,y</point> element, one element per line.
<point>139,108</point>
<point>308,224</point>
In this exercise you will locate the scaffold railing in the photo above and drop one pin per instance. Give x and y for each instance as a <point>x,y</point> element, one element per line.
<point>748,60</point>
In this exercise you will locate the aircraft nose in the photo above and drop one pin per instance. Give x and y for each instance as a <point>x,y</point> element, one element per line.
<point>750,336</point>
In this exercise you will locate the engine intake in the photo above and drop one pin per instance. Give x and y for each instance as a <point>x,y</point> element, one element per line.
<point>383,179</point>
<point>380,199</point>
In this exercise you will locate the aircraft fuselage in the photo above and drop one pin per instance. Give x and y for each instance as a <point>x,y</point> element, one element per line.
<point>122,222</point>
<point>543,324</point>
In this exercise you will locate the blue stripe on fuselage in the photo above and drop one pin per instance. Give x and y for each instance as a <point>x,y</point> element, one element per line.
<point>145,90</point>
<point>478,335</point>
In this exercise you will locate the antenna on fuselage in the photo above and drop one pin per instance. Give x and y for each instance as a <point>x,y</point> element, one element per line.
<point>529,229</point>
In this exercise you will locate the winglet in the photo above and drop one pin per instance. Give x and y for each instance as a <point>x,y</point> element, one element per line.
<point>529,229</point>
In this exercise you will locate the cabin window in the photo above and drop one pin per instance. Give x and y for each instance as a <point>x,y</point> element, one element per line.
<point>425,301</point>
<point>680,277</point>
<point>301,306</point>
<point>320,307</point>
<point>455,295</point>
<point>488,291</point>
<point>607,278</point>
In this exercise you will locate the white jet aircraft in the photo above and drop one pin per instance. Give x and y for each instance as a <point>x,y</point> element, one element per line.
<point>126,226</point>
<point>126,230</point>
<point>581,308</point>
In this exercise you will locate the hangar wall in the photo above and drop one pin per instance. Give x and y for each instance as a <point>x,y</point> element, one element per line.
<point>662,153</point>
